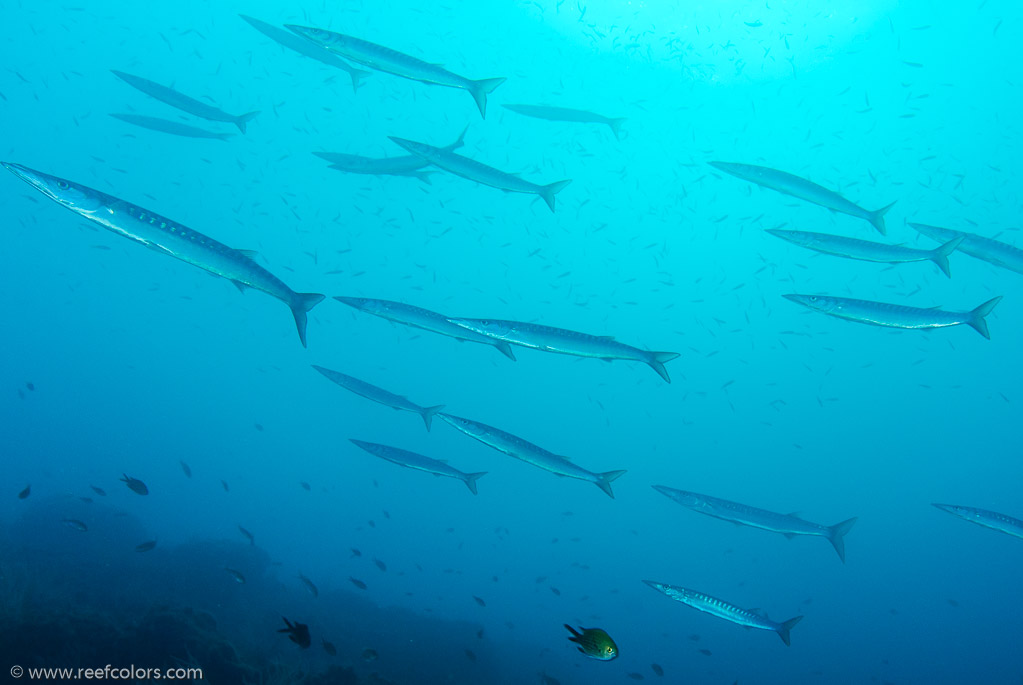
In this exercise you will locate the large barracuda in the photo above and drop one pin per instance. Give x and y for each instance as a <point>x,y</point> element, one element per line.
<point>183,102</point>
<point>406,165</point>
<point>169,238</point>
<point>384,397</point>
<point>992,251</point>
<point>869,251</point>
<point>895,315</point>
<point>175,128</point>
<point>576,116</point>
<point>983,517</point>
<point>417,317</point>
<point>722,609</point>
<point>787,183</point>
<point>307,48</point>
<point>564,341</point>
<point>481,173</point>
<point>419,462</point>
<point>393,62</point>
<point>786,524</point>
<point>514,446</point>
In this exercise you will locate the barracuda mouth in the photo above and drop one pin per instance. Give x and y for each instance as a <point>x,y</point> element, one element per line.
<point>47,185</point>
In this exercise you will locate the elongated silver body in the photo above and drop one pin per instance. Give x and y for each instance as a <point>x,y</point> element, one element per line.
<point>307,48</point>
<point>895,315</point>
<point>393,62</point>
<point>183,102</point>
<point>417,317</point>
<point>564,341</point>
<point>174,128</point>
<point>405,165</point>
<point>481,173</point>
<point>577,116</point>
<point>986,518</point>
<point>514,446</point>
<point>169,238</point>
<point>992,251</point>
<point>787,183</point>
<point>384,397</point>
<point>419,462</point>
<point>786,524</point>
<point>869,251</point>
<point>722,609</point>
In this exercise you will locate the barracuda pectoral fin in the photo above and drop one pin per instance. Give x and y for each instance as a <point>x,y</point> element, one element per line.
<point>505,349</point>
<point>789,536</point>
<point>241,286</point>
<point>251,254</point>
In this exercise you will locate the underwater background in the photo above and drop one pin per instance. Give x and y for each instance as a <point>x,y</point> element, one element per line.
<point>120,361</point>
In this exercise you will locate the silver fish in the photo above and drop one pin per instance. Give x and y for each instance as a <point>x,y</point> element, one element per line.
<point>174,128</point>
<point>795,186</point>
<point>988,519</point>
<point>481,173</point>
<point>309,585</point>
<point>236,576</point>
<point>169,238</point>
<point>895,315</point>
<point>183,102</point>
<point>309,49</point>
<point>75,524</point>
<point>393,62</point>
<point>406,165</point>
<point>387,398</point>
<point>419,462</point>
<point>564,341</point>
<point>515,446</point>
<point>417,317</point>
<point>788,525</point>
<point>992,251</point>
<point>870,251</point>
<point>722,609</point>
<point>567,114</point>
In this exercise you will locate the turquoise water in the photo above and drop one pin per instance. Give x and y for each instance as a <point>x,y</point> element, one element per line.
<point>119,360</point>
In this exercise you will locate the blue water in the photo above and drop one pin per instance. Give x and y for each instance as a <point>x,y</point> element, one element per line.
<point>118,360</point>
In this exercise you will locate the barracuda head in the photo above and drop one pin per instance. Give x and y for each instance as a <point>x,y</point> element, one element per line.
<point>75,197</point>
<point>962,512</point>
<point>686,499</point>
<point>319,36</point>
<point>412,146</point>
<point>821,303</point>
<point>361,303</point>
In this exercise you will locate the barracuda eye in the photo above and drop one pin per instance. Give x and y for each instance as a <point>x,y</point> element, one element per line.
<point>813,298</point>
<point>63,185</point>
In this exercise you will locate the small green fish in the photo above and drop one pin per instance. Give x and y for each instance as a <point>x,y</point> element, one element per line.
<point>594,643</point>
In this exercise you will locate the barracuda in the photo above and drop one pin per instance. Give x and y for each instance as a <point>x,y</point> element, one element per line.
<point>419,462</point>
<point>983,517</point>
<point>384,397</point>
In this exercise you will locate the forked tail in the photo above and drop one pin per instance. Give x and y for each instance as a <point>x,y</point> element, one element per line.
<point>470,480</point>
<point>605,479</point>
<point>876,219</point>
<point>836,534</point>
<point>784,628</point>
<point>939,255</point>
<point>657,360</point>
<point>300,304</point>
<point>977,320</point>
<point>616,126</point>
<point>427,414</point>
<point>548,192</point>
<point>480,89</point>
<point>244,119</point>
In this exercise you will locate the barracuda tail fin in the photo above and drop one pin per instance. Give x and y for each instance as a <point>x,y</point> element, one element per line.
<point>357,76</point>
<point>548,192</point>
<point>616,126</point>
<point>470,480</point>
<point>977,320</point>
<point>784,628</point>
<point>480,89</point>
<point>244,119</point>
<point>836,534</point>
<point>876,219</point>
<point>605,479</point>
<point>505,349</point>
<point>657,360</point>
<point>302,303</point>
<point>939,255</point>
<point>428,413</point>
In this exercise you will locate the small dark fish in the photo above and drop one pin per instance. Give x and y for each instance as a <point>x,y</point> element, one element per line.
<point>186,468</point>
<point>952,602</point>
<point>636,676</point>
<point>479,633</point>
<point>594,643</point>
<point>356,553</point>
<point>236,576</point>
<point>470,656</point>
<point>29,385</point>
<point>309,585</point>
<point>145,546</point>
<point>99,491</point>
<point>479,601</point>
<point>258,426</point>
<point>75,524</point>
<point>556,591</point>
<point>380,565</point>
<point>135,485</point>
<point>548,680</point>
<point>248,536</point>
<point>224,483</point>
<point>25,493</point>
<point>305,486</point>
<point>369,655</point>
<point>656,668</point>
<point>357,583</point>
<point>329,647</point>
<point>297,633</point>
<point>694,637</point>
<point>705,652</point>
<point>87,500</point>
